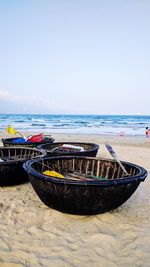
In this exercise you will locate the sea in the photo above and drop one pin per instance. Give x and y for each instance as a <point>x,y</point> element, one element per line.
<point>131,125</point>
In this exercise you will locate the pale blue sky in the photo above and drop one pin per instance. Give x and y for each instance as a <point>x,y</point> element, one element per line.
<point>75,56</point>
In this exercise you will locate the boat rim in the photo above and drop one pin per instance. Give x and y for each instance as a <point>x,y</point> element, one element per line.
<point>43,153</point>
<point>95,146</point>
<point>142,174</point>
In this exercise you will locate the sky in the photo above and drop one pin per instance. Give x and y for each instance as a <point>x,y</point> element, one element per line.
<point>75,56</point>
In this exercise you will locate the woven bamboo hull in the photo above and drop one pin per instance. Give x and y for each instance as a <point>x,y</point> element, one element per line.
<point>11,169</point>
<point>82,200</point>
<point>8,142</point>
<point>90,149</point>
<point>84,197</point>
<point>12,174</point>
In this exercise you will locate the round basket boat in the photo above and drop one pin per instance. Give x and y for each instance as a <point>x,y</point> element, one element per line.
<point>11,164</point>
<point>7,142</point>
<point>70,149</point>
<point>90,185</point>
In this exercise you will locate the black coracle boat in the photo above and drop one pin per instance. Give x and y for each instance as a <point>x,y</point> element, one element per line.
<point>17,141</point>
<point>70,149</point>
<point>11,164</point>
<point>90,185</point>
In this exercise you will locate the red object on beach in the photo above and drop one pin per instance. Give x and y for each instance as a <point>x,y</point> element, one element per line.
<point>35,138</point>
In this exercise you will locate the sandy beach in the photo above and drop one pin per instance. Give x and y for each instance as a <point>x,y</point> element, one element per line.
<point>34,235</point>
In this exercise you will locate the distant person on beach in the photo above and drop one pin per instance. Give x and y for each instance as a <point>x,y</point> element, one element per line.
<point>147,132</point>
<point>122,133</point>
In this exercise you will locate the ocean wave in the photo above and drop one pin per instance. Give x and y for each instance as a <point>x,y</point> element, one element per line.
<point>39,124</point>
<point>98,124</point>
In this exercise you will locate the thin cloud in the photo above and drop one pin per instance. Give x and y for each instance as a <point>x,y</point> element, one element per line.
<point>18,99</point>
<point>5,95</point>
<point>34,103</point>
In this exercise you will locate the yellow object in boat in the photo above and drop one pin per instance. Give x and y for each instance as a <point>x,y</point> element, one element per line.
<point>53,173</point>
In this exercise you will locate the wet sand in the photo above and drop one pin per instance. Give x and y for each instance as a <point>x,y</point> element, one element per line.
<point>34,235</point>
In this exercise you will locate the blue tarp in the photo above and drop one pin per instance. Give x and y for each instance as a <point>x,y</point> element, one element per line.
<point>20,140</point>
